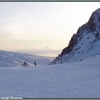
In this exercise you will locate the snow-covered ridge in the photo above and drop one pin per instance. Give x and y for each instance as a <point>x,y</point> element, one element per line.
<point>17,59</point>
<point>83,44</point>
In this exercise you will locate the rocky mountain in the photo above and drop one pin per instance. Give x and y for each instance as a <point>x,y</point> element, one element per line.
<point>83,44</point>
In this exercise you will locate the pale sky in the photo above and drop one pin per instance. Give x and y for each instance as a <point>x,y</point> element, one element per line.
<point>41,28</point>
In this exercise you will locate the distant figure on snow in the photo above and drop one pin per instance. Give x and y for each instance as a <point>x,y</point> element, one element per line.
<point>35,63</point>
<point>25,64</point>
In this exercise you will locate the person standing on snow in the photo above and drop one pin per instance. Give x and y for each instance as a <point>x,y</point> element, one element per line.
<point>35,63</point>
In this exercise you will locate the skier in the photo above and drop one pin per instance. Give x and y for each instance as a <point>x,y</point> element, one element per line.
<point>25,64</point>
<point>35,63</point>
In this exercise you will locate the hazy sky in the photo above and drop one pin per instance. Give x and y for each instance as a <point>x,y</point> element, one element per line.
<point>43,28</point>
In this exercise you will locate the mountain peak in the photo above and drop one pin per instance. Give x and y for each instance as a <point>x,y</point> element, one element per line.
<point>97,11</point>
<point>83,44</point>
<point>95,17</point>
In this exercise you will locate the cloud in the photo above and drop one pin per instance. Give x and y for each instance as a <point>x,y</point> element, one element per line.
<point>5,36</point>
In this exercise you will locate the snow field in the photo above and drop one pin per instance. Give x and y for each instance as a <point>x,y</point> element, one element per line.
<point>70,80</point>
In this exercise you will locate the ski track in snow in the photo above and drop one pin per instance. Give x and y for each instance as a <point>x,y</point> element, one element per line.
<point>70,80</point>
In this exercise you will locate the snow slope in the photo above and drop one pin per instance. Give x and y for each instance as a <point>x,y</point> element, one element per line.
<point>83,44</point>
<point>69,80</point>
<point>17,59</point>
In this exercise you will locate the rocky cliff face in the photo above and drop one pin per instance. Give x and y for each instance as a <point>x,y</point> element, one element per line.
<point>85,43</point>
